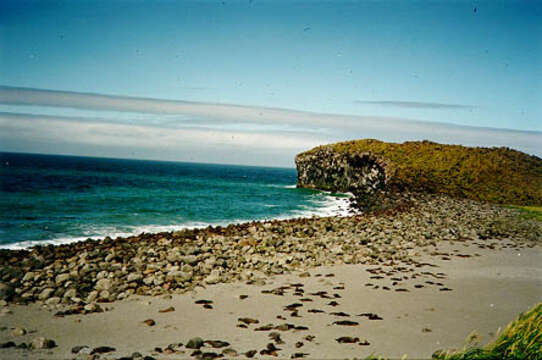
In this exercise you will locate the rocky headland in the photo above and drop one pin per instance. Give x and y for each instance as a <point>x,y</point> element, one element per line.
<point>366,167</point>
<point>395,242</point>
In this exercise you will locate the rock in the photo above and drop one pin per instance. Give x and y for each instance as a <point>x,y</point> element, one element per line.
<point>213,278</point>
<point>251,353</point>
<point>275,336</point>
<point>347,340</point>
<point>169,309</point>
<point>78,348</point>
<point>284,327</point>
<point>190,260</point>
<point>210,355</point>
<point>248,321</point>
<point>104,295</point>
<point>70,293</point>
<point>92,296</point>
<point>102,350</point>
<point>346,323</point>
<point>194,343</point>
<point>103,284</point>
<point>371,316</point>
<point>174,256</point>
<point>55,300</point>
<point>6,291</point>
<point>90,307</point>
<point>229,352</point>
<point>42,343</point>
<point>18,331</point>
<point>134,277</point>
<point>217,343</point>
<point>61,278</point>
<point>29,276</point>
<point>5,311</point>
<point>264,327</point>
<point>46,293</point>
<point>110,257</point>
<point>327,169</point>
<point>178,276</point>
<point>149,322</point>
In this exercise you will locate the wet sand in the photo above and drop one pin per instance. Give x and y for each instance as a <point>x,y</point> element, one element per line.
<point>488,289</point>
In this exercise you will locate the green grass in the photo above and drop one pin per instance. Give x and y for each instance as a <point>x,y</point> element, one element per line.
<point>530,212</point>
<point>521,340</point>
<point>499,175</point>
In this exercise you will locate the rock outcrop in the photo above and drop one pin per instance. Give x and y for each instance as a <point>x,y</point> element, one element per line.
<point>327,169</point>
<point>497,175</point>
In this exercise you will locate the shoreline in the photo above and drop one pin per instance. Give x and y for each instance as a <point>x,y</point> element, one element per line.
<point>335,206</point>
<point>413,255</point>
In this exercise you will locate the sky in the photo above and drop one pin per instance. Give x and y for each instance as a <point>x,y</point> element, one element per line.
<point>255,82</point>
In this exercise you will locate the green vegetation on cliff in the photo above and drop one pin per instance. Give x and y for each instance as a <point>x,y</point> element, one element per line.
<point>499,175</point>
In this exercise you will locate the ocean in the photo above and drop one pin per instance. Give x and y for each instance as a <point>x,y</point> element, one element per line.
<point>53,199</point>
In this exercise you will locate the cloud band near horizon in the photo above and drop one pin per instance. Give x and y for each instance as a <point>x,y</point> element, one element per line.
<point>112,125</point>
<point>417,104</point>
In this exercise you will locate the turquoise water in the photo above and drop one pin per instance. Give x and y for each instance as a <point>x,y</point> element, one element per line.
<point>58,199</point>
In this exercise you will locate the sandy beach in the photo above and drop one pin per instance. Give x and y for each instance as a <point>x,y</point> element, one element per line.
<point>488,291</point>
<point>432,298</point>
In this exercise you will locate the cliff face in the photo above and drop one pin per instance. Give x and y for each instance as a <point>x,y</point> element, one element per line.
<point>327,169</point>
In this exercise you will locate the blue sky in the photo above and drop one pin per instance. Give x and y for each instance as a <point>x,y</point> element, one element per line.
<point>465,63</point>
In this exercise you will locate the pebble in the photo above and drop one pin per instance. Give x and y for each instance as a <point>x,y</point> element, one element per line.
<point>53,301</point>
<point>61,278</point>
<point>149,322</point>
<point>18,331</point>
<point>166,310</point>
<point>42,343</point>
<point>346,323</point>
<point>217,343</point>
<point>194,343</point>
<point>103,284</point>
<point>8,344</point>
<point>78,348</point>
<point>102,350</point>
<point>6,291</point>
<point>248,321</point>
<point>229,352</point>
<point>251,353</point>
<point>347,340</point>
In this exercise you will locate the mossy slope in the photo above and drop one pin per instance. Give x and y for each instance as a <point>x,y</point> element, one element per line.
<point>499,175</point>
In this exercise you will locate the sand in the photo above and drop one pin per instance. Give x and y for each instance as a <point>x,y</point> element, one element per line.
<point>488,291</point>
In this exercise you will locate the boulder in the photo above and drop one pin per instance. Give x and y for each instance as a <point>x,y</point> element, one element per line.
<point>6,291</point>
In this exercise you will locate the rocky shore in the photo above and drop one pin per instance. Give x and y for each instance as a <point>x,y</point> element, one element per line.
<point>81,278</point>
<point>88,272</point>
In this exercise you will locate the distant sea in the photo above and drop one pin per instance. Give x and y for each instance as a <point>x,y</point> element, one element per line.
<point>50,199</point>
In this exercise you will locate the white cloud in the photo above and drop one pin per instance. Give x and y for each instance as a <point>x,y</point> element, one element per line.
<point>178,130</point>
